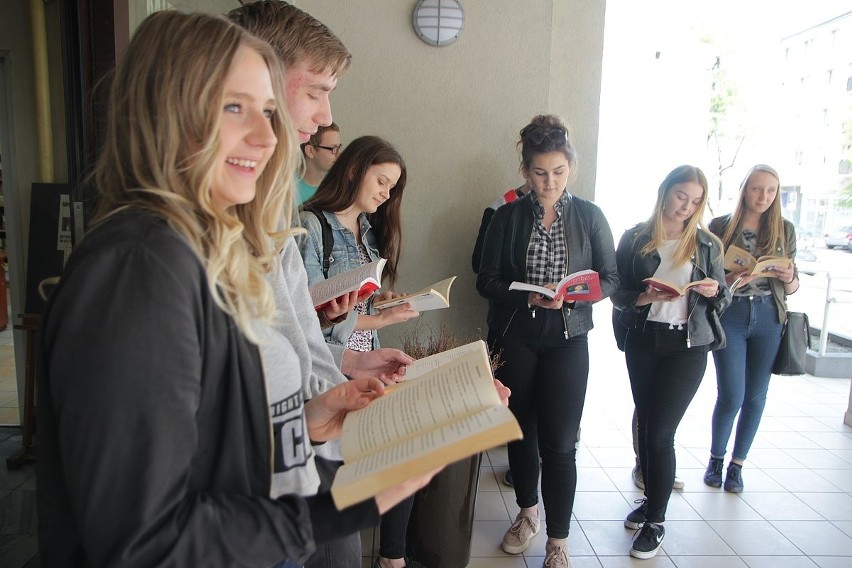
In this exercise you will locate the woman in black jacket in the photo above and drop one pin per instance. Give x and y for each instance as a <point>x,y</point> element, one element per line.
<point>668,332</point>
<point>538,239</point>
<point>155,442</point>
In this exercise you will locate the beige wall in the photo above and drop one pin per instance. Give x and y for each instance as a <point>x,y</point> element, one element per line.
<point>455,113</point>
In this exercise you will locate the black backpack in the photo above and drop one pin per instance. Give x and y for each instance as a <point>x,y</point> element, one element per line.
<point>327,238</point>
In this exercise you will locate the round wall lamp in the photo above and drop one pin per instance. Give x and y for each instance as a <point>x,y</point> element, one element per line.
<point>438,22</point>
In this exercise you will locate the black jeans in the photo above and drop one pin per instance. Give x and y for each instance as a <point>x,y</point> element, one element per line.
<point>664,377</point>
<point>394,528</point>
<point>548,375</point>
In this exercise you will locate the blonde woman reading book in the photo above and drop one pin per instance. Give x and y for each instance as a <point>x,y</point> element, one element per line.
<point>753,323</point>
<point>668,334</point>
<point>154,438</point>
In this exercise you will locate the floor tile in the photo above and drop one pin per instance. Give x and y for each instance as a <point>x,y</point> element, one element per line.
<point>659,561</point>
<point>721,506</point>
<point>816,538</point>
<point>601,506</point>
<point>594,479</point>
<point>490,507</point>
<point>840,478</point>
<point>693,538</point>
<point>753,538</point>
<point>799,481</point>
<point>832,506</point>
<point>833,561</point>
<point>845,526</point>
<point>778,562</point>
<point>708,562</point>
<point>821,458</point>
<point>608,538</point>
<point>780,507</point>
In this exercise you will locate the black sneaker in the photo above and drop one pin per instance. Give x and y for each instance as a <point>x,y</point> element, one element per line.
<point>648,542</point>
<point>713,475</point>
<point>507,479</point>
<point>734,478</point>
<point>636,519</point>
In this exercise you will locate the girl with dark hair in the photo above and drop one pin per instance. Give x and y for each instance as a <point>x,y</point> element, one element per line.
<point>543,343</point>
<point>753,323</point>
<point>668,335</point>
<point>360,200</point>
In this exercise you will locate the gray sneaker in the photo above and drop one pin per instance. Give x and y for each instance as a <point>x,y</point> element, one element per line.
<point>517,538</point>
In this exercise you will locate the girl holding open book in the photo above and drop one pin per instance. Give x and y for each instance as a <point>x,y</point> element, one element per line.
<point>543,343</point>
<point>668,333</point>
<point>754,322</point>
<point>360,200</point>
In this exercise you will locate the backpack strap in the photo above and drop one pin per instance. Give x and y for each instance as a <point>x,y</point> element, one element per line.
<point>327,238</point>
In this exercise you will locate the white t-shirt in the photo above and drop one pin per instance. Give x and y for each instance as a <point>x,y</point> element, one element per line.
<point>672,313</point>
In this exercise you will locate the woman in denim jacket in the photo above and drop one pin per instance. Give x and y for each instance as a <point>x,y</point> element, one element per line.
<point>360,199</point>
<point>668,334</point>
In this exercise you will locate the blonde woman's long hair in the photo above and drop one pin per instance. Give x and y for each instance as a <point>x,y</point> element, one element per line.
<point>653,228</point>
<point>770,232</point>
<point>160,155</point>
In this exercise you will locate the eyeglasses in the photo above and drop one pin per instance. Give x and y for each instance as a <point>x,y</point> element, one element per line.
<point>335,150</point>
<point>536,135</point>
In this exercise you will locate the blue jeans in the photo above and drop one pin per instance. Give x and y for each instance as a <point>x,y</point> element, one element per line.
<point>743,370</point>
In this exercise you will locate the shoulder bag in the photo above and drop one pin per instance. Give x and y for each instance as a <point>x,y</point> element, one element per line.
<point>795,342</point>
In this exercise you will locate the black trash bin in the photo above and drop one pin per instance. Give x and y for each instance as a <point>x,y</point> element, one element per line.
<point>441,525</point>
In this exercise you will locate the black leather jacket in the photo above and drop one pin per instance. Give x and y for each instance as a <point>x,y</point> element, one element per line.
<point>504,260</point>
<point>703,326</point>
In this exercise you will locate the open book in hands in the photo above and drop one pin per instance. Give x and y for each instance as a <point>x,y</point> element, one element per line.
<point>739,260</point>
<point>434,297</point>
<point>366,279</point>
<point>583,286</point>
<point>447,409</point>
<point>671,288</point>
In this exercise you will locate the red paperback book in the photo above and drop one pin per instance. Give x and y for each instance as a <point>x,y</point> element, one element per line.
<point>582,286</point>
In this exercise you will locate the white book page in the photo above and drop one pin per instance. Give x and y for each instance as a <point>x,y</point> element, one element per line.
<point>430,441</point>
<point>458,389</point>
<point>426,364</point>
<point>339,284</point>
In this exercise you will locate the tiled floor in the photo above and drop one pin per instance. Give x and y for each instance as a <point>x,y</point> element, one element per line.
<point>796,510</point>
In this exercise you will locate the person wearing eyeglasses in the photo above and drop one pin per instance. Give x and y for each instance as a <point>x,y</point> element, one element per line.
<point>319,152</point>
<point>543,343</point>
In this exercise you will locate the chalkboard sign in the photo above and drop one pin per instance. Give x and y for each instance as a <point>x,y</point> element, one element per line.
<point>50,238</point>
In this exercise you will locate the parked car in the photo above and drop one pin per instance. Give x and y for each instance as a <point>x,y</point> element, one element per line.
<point>839,238</point>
